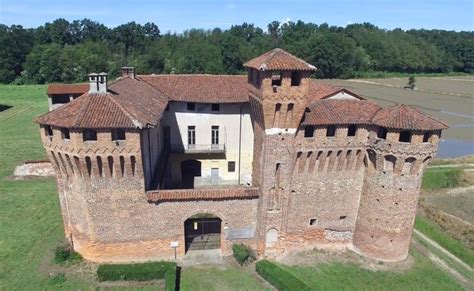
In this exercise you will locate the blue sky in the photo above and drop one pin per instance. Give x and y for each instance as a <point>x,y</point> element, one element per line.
<point>179,15</point>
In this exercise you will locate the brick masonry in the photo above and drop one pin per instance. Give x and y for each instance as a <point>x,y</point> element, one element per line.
<point>312,191</point>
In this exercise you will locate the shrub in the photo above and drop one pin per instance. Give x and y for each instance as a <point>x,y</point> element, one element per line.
<point>243,253</point>
<point>64,254</point>
<point>135,272</point>
<point>279,277</point>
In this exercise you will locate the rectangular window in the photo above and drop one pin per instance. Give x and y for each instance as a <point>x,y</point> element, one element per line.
<point>295,78</point>
<point>231,167</point>
<point>191,135</point>
<point>89,135</point>
<point>309,131</point>
<point>426,136</point>
<point>118,134</point>
<point>382,133</point>
<point>276,78</point>
<point>352,130</point>
<point>59,99</point>
<point>215,135</point>
<point>331,130</point>
<point>405,136</point>
<point>48,131</point>
<point>215,106</point>
<point>191,106</point>
<point>65,133</point>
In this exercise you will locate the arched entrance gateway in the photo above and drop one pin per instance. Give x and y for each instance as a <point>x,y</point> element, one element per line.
<point>202,232</point>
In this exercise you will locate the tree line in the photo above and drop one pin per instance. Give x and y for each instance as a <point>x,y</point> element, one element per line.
<point>64,51</point>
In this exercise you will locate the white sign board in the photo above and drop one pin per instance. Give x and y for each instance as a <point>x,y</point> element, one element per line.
<point>174,244</point>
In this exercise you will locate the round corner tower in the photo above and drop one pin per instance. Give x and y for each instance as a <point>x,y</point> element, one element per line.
<point>401,143</point>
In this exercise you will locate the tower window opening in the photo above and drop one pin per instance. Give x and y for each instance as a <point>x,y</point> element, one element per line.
<point>295,78</point>
<point>313,221</point>
<point>331,130</point>
<point>89,135</point>
<point>215,106</point>
<point>65,133</point>
<point>352,130</point>
<point>405,136</point>
<point>48,131</point>
<point>382,133</point>
<point>190,106</point>
<point>426,136</point>
<point>309,131</point>
<point>118,135</point>
<point>276,78</point>
<point>342,217</point>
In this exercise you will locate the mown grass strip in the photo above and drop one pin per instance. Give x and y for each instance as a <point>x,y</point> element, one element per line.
<point>279,277</point>
<point>455,247</point>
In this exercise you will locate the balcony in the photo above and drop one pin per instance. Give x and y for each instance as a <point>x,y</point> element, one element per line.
<point>197,148</point>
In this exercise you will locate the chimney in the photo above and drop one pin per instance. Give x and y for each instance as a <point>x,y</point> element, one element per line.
<point>128,72</point>
<point>93,83</point>
<point>102,82</point>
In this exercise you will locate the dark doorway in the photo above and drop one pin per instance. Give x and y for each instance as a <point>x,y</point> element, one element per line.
<point>189,170</point>
<point>202,232</point>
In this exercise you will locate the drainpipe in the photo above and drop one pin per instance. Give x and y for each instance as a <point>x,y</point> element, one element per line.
<point>240,139</point>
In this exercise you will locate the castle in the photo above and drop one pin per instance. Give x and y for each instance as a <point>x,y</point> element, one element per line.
<point>153,166</point>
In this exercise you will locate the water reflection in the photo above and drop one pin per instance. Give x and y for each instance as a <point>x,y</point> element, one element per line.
<point>451,148</point>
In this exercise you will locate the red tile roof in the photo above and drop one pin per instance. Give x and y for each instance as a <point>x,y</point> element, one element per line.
<point>59,89</point>
<point>406,117</point>
<point>318,91</point>
<point>327,111</point>
<point>201,88</point>
<point>130,103</point>
<point>278,59</point>
<point>202,194</point>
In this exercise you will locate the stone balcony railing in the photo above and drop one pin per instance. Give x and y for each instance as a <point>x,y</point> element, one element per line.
<point>197,148</point>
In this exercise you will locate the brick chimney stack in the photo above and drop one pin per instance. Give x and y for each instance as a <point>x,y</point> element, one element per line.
<point>128,72</point>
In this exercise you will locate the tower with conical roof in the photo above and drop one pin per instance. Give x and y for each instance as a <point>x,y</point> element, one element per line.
<point>401,144</point>
<point>278,85</point>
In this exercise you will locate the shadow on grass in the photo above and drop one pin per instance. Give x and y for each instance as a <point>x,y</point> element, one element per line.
<point>4,107</point>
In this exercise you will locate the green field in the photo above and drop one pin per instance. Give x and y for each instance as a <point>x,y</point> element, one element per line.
<point>31,226</point>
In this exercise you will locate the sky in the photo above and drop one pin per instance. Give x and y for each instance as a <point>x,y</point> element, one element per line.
<point>179,15</point>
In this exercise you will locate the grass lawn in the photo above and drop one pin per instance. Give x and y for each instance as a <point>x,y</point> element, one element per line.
<point>336,276</point>
<point>218,278</point>
<point>439,178</point>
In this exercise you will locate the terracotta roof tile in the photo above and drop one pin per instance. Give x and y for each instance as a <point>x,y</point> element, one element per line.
<point>129,103</point>
<point>278,59</point>
<point>406,117</point>
<point>202,194</point>
<point>326,112</point>
<point>318,91</point>
<point>56,89</point>
<point>201,88</point>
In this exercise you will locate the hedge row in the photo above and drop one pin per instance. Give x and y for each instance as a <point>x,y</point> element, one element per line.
<point>279,277</point>
<point>243,254</point>
<point>139,272</point>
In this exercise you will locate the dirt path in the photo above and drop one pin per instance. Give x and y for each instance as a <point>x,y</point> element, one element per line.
<point>419,237</point>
